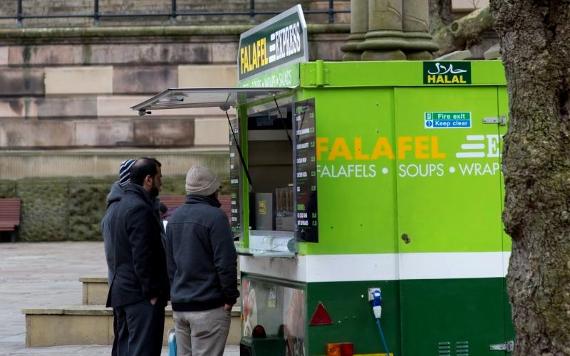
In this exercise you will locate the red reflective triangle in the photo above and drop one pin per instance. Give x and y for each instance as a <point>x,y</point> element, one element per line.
<point>320,316</point>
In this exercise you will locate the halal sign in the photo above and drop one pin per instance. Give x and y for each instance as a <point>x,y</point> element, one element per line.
<point>278,41</point>
<point>447,73</point>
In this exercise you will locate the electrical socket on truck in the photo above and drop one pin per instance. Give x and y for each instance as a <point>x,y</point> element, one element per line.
<point>371,293</point>
<point>375,299</point>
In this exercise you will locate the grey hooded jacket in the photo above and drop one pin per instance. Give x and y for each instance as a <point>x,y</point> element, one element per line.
<point>202,259</point>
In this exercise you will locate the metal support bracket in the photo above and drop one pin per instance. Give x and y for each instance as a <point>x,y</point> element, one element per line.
<point>501,120</point>
<point>508,346</point>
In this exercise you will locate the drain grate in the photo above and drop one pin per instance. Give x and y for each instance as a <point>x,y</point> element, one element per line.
<point>444,348</point>
<point>462,348</point>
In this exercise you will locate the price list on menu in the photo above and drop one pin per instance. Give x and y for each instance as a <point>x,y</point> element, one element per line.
<point>235,171</point>
<point>305,172</point>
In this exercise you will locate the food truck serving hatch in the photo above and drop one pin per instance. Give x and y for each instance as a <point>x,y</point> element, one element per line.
<point>223,98</point>
<point>265,241</point>
<point>272,212</point>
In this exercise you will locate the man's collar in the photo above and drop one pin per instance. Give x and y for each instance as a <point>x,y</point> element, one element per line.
<point>192,199</point>
<point>140,191</point>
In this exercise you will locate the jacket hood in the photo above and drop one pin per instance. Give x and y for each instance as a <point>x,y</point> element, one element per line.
<point>115,194</point>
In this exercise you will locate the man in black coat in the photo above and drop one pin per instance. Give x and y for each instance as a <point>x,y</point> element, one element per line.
<point>139,288</point>
<point>113,198</point>
<point>202,266</point>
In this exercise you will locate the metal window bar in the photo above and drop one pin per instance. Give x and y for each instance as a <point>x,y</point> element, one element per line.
<point>96,14</point>
<point>173,9</point>
<point>173,13</point>
<point>19,13</point>
<point>252,9</point>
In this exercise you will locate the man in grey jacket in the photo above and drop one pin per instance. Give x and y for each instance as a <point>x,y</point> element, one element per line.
<point>202,267</point>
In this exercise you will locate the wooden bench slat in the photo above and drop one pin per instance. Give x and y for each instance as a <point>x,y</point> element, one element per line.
<point>9,213</point>
<point>174,201</point>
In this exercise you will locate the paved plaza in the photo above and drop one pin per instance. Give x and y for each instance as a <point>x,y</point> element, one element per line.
<point>47,275</point>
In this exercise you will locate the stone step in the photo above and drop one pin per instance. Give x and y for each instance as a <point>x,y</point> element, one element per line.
<point>95,290</point>
<point>91,325</point>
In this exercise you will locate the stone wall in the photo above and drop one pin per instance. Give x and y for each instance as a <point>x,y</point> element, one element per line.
<point>74,88</point>
<point>96,163</point>
<point>74,105</point>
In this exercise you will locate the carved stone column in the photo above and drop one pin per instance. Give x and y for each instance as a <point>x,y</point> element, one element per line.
<point>385,38</point>
<point>419,43</point>
<point>358,28</point>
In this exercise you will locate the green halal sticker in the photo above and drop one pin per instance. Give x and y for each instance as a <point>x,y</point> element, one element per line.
<point>438,73</point>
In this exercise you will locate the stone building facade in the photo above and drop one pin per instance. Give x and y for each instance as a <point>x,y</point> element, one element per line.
<point>66,87</point>
<point>71,88</point>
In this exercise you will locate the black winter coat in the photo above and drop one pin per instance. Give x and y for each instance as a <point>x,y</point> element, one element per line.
<point>139,271</point>
<point>113,198</point>
<point>202,259</point>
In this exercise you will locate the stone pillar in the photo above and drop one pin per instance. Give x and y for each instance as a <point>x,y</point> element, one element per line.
<point>358,28</point>
<point>384,39</point>
<point>419,43</point>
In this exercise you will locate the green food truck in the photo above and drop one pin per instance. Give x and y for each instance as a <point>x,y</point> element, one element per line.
<point>366,199</point>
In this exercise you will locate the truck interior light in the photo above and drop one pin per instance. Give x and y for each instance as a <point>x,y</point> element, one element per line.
<point>258,332</point>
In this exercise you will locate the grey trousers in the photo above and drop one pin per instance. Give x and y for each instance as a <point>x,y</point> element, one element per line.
<point>202,333</point>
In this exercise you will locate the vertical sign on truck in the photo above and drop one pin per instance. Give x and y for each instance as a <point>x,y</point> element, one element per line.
<point>305,172</point>
<point>235,171</point>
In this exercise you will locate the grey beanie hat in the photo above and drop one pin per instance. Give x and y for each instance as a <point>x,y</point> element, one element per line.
<point>201,181</point>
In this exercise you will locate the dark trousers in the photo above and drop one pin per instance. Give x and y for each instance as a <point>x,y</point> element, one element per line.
<point>138,329</point>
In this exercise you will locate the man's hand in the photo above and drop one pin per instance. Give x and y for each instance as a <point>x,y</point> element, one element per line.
<point>228,307</point>
<point>153,300</point>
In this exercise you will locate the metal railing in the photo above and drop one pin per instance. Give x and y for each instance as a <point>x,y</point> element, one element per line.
<point>173,13</point>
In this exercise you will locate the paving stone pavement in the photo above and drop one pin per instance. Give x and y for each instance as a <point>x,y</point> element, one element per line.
<point>47,275</point>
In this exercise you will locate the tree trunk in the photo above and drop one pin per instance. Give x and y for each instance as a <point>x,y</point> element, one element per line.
<point>535,42</point>
<point>439,14</point>
<point>469,28</point>
<point>463,32</point>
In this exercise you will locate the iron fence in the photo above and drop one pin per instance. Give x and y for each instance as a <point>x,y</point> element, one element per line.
<point>173,13</point>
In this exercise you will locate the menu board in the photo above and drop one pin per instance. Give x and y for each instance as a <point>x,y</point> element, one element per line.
<point>306,212</point>
<point>235,174</point>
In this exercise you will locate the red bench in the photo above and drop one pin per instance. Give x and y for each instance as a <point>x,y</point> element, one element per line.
<point>226,201</point>
<point>174,201</point>
<point>10,215</point>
